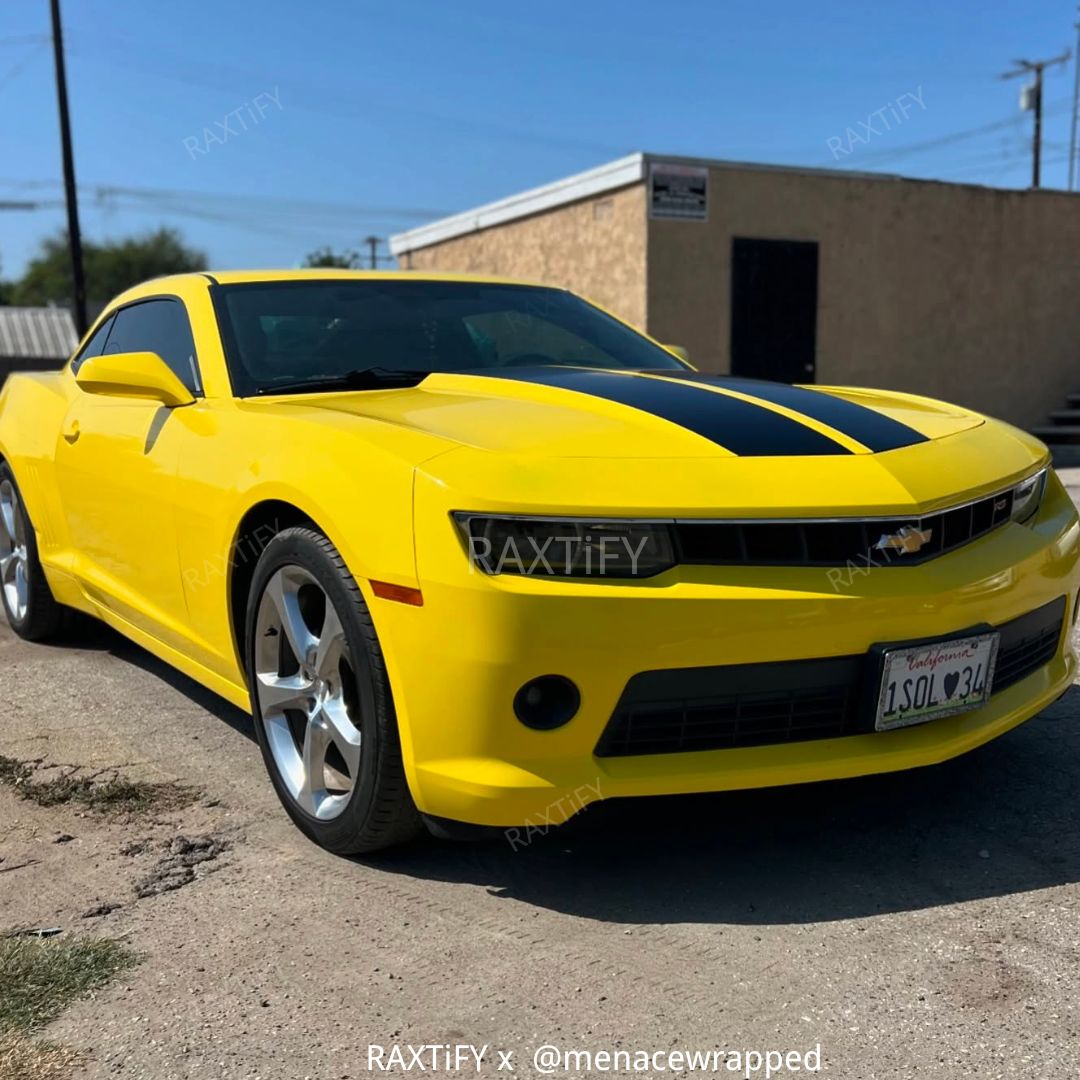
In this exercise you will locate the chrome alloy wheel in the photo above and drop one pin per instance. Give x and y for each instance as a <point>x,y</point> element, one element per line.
<point>306,696</point>
<point>14,569</point>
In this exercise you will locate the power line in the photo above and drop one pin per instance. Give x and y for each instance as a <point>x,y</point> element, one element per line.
<point>281,219</point>
<point>331,101</point>
<point>238,203</point>
<point>886,155</point>
<point>26,39</point>
<point>897,153</point>
<point>300,205</point>
<point>17,69</point>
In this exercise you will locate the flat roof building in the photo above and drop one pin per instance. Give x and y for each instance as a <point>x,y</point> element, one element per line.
<point>955,291</point>
<point>35,338</point>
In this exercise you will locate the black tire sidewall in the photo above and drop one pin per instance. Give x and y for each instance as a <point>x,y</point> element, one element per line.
<point>34,572</point>
<point>301,547</point>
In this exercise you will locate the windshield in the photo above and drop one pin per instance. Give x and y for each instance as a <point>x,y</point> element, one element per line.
<point>280,333</point>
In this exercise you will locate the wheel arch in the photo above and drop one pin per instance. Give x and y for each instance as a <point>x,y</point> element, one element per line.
<point>259,525</point>
<point>368,549</point>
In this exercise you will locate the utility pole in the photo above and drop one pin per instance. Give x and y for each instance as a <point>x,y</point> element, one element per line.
<point>1036,68</point>
<point>78,281</point>
<point>1075,110</point>
<point>373,248</point>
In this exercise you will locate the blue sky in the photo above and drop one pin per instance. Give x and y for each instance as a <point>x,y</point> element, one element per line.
<point>357,118</point>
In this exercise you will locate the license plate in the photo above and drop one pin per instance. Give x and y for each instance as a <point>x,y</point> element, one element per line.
<point>925,682</point>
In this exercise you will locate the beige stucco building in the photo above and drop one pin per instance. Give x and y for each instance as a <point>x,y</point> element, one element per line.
<point>966,293</point>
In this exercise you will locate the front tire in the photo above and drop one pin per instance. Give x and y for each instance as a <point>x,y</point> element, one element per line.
<point>323,708</point>
<point>28,602</point>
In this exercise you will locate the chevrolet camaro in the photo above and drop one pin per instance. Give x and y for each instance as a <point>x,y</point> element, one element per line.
<point>477,553</point>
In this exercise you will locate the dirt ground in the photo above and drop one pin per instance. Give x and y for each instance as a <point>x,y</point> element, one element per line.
<point>925,924</point>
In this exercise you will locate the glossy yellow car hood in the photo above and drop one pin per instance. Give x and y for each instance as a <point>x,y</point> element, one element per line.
<point>509,416</point>
<point>521,446</point>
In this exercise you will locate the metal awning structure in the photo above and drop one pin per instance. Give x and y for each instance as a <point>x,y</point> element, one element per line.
<point>38,333</point>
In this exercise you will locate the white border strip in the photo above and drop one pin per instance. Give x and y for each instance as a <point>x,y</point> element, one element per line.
<point>615,174</point>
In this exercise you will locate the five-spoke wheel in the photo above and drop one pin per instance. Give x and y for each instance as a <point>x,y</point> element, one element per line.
<point>322,703</point>
<point>306,688</point>
<point>14,578</point>
<point>25,596</point>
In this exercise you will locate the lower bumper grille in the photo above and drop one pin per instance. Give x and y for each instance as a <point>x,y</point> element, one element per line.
<point>719,708</point>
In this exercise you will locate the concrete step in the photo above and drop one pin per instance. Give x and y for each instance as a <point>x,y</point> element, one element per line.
<point>1066,457</point>
<point>1068,434</point>
<point>1064,443</point>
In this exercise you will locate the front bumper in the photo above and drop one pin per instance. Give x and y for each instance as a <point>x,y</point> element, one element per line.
<point>456,663</point>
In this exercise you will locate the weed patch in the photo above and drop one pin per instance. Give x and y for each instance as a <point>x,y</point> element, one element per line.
<point>38,980</point>
<point>104,791</point>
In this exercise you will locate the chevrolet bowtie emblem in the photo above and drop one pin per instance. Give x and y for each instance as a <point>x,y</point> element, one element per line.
<point>906,541</point>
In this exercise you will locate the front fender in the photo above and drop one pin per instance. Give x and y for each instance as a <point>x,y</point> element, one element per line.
<point>355,484</point>
<point>32,409</point>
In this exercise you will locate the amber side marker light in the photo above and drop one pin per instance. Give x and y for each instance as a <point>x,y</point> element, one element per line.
<point>401,593</point>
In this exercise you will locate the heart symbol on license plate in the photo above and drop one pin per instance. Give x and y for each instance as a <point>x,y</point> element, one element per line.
<point>951,683</point>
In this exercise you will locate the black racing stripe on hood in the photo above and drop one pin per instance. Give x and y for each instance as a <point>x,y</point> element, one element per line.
<point>875,431</point>
<point>742,427</point>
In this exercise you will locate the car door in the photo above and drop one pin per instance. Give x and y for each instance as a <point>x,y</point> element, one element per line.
<point>116,462</point>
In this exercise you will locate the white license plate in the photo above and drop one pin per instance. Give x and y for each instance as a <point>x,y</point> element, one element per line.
<point>924,682</point>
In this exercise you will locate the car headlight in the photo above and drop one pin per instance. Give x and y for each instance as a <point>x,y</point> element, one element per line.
<point>566,547</point>
<point>1026,497</point>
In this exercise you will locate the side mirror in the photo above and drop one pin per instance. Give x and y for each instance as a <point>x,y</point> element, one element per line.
<point>679,351</point>
<point>133,375</point>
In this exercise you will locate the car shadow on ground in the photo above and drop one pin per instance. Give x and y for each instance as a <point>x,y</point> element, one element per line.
<point>89,635</point>
<point>1003,819</point>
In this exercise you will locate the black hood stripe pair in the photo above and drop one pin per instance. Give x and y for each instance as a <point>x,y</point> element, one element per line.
<point>743,427</point>
<point>875,431</point>
<point>739,426</point>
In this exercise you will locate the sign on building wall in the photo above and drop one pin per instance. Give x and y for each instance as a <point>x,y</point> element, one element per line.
<point>679,191</point>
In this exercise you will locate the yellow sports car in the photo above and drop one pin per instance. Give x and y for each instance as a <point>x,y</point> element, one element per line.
<point>477,553</point>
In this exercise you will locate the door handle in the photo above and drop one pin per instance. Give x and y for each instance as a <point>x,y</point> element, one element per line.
<point>72,432</point>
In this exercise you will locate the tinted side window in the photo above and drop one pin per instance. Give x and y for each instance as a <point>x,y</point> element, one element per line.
<point>96,345</point>
<point>159,326</point>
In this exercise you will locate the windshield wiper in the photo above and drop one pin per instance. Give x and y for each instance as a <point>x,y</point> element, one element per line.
<point>372,378</point>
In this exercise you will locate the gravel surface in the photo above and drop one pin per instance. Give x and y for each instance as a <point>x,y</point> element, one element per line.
<point>923,924</point>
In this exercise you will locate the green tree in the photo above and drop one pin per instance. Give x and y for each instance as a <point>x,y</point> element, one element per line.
<point>111,267</point>
<point>325,258</point>
<point>6,288</point>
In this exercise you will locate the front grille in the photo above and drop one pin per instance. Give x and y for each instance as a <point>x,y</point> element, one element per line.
<point>837,543</point>
<point>723,708</point>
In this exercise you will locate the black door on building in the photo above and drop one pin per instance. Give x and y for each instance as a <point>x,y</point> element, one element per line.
<point>774,291</point>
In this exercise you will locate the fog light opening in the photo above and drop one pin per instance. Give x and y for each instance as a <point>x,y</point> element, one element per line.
<point>547,702</point>
<point>1076,607</point>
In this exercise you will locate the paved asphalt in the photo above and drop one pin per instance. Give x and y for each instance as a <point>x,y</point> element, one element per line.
<point>925,924</point>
